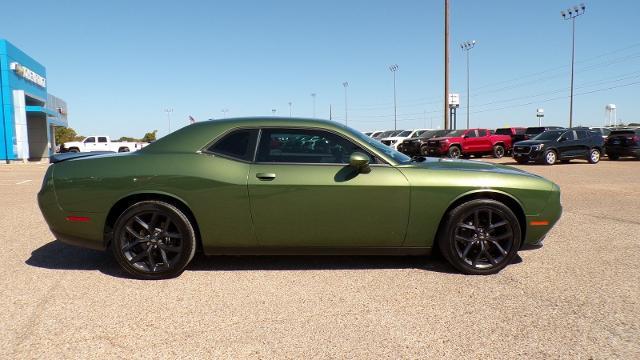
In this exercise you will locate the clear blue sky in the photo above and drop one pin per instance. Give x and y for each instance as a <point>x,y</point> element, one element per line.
<point>118,64</point>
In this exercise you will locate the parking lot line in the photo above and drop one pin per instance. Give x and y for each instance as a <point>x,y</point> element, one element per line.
<point>23,182</point>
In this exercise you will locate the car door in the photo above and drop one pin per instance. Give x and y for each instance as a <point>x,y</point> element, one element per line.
<point>470,143</point>
<point>583,143</point>
<point>89,144</point>
<point>103,144</point>
<point>567,144</point>
<point>305,194</point>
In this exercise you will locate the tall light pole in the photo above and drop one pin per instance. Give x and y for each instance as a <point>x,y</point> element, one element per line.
<point>313,96</point>
<point>346,85</point>
<point>224,112</point>
<point>446,64</point>
<point>572,14</point>
<point>290,103</point>
<point>467,46</point>
<point>393,69</point>
<point>169,111</point>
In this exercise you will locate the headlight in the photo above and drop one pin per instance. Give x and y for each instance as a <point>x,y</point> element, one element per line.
<point>537,147</point>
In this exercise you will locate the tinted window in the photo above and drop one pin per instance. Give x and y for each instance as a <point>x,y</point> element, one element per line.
<point>582,134</point>
<point>238,144</point>
<point>520,131</point>
<point>568,135</point>
<point>405,133</point>
<point>90,140</point>
<point>471,134</point>
<point>102,139</point>
<point>549,135</point>
<point>534,130</point>
<point>304,146</point>
<point>506,131</point>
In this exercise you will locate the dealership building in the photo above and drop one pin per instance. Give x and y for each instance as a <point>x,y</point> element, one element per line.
<point>29,115</point>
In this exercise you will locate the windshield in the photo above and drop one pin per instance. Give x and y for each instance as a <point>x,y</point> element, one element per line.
<point>534,130</point>
<point>418,133</point>
<point>405,133</point>
<point>385,134</point>
<point>549,135</point>
<point>395,155</point>
<point>505,131</point>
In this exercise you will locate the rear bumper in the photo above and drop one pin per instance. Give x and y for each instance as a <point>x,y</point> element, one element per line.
<point>623,151</point>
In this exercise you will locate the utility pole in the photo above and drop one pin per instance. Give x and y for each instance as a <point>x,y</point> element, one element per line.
<point>346,85</point>
<point>169,111</point>
<point>446,64</point>
<point>572,14</point>
<point>393,69</point>
<point>313,95</point>
<point>467,46</point>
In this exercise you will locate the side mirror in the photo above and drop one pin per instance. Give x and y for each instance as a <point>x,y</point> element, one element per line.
<point>360,162</point>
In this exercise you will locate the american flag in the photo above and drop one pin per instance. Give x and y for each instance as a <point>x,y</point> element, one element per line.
<point>191,119</point>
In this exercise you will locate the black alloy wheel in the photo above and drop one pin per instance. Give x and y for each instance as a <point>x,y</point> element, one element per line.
<point>153,240</point>
<point>424,150</point>
<point>498,151</point>
<point>480,237</point>
<point>454,152</point>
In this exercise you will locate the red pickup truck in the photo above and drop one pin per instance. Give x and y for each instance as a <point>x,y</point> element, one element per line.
<point>469,142</point>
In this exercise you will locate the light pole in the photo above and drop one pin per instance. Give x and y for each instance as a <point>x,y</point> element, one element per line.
<point>467,46</point>
<point>572,14</point>
<point>540,115</point>
<point>446,65</point>
<point>273,112</point>
<point>290,103</point>
<point>346,85</point>
<point>224,112</point>
<point>393,69</point>
<point>313,95</point>
<point>169,111</point>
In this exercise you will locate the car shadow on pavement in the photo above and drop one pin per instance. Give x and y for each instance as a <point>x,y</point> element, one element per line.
<point>57,255</point>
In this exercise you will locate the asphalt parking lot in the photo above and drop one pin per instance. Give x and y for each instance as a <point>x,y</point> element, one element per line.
<point>577,297</point>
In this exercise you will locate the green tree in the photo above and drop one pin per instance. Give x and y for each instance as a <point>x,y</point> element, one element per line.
<point>65,134</point>
<point>150,136</point>
<point>128,139</point>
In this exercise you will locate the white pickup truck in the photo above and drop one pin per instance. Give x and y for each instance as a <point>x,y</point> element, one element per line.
<point>101,143</point>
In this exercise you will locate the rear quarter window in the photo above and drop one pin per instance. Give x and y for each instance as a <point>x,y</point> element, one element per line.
<point>239,144</point>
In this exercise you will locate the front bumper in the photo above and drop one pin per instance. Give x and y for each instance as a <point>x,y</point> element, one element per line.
<point>410,148</point>
<point>533,155</point>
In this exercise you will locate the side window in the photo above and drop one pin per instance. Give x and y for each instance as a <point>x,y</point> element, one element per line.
<point>238,144</point>
<point>569,135</point>
<point>304,146</point>
<point>472,133</point>
<point>102,139</point>
<point>89,140</point>
<point>583,134</point>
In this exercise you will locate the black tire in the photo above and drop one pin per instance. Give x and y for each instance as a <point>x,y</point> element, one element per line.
<point>74,150</point>
<point>550,157</point>
<point>482,229</point>
<point>123,149</point>
<point>498,151</point>
<point>454,152</point>
<point>522,161</point>
<point>613,157</point>
<point>594,156</point>
<point>141,239</point>
<point>424,150</point>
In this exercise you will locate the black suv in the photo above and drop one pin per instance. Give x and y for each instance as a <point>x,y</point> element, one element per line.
<point>564,145</point>
<point>623,142</point>
<point>413,146</point>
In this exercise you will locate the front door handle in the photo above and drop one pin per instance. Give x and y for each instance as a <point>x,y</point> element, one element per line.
<point>266,176</point>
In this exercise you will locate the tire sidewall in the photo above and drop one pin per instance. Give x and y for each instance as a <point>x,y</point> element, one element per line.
<point>546,160</point>
<point>452,151</point>
<point>590,159</point>
<point>177,217</point>
<point>447,244</point>
<point>498,154</point>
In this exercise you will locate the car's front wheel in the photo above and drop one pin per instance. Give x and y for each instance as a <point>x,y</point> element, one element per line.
<point>498,151</point>
<point>550,157</point>
<point>153,240</point>
<point>454,152</point>
<point>480,237</point>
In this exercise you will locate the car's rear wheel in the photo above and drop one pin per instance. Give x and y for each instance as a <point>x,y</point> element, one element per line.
<point>498,151</point>
<point>550,157</point>
<point>454,152</point>
<point>153,240</point>
<point>594,156</point>
<point>480,237</point>
<point>424,150</point>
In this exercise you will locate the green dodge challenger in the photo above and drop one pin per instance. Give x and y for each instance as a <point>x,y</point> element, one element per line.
<point>291,186</point>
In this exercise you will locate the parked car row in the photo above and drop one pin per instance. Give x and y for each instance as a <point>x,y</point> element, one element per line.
<point>543,144</point>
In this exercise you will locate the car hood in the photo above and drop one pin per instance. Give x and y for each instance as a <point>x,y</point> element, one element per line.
<point>468,165</point>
